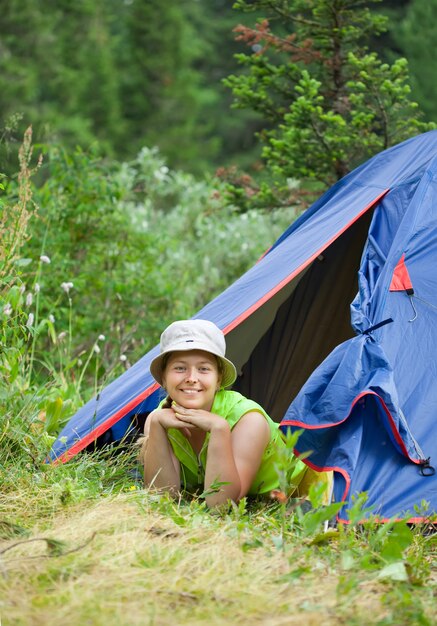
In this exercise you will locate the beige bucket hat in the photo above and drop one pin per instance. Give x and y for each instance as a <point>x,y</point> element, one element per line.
<point>186,335</point>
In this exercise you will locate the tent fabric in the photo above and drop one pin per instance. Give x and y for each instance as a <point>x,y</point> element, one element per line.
<point>321,341</point>
<point>369,408</point>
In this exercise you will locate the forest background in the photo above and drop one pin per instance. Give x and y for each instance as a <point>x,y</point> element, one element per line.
<point>149,153</point>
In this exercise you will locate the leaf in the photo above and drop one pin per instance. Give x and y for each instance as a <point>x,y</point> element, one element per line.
<point>347,560</point>
<point>398,540</point>
<point>313,519</point>
<point>394,571</point>
<point>325,537</point>
<point>278,541</point>
<point>23,262</point>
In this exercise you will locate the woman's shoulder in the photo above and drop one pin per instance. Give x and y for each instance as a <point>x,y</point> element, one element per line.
<point>232,405</point>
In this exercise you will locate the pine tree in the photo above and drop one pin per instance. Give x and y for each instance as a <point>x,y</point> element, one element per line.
<point>416,36</point>
<point>328,103</point>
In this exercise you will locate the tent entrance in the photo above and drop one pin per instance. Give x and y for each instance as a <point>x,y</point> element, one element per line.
<point>300,325</point>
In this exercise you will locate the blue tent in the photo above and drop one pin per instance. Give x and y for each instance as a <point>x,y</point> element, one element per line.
<point>364,392</point>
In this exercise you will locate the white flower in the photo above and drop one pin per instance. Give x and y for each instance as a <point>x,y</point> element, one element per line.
<point>101,337</point>
<point>79,362</point>
<point>29,299</point>
<point>67,286</point>
<point>161,174</point>
<point>123,357</point>
<point>44,259</point>
<point>62,335</point>
<point>96,349</point>
<point>7,309</point>
<point>22,288</point>
<point>52,318</point>
<point>30,319</point>
<point>37,288</point>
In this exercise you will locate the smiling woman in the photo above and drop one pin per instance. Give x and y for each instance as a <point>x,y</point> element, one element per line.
<point>202,435</point>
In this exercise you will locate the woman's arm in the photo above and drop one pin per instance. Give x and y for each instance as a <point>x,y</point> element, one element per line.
<point>250,437</point>
<point>161,467</point>
<point>233,457</point>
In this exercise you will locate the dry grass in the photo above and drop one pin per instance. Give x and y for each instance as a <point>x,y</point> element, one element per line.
<point>14,219</point>
<point>130,564</point>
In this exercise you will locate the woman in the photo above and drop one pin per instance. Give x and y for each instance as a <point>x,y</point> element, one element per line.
<point>201,435</point>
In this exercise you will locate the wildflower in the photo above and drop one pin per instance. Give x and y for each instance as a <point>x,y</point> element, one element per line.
<point>52,318</point>
<point>67,286</point>
<point>101,337</point>
<point>161,174</point>
<point>37,288</point>
<point>7,309</point>
<point>29,299</point>
<point>133,488</point>
<point>96,349</point>
<point>44,259</point>
<point>30,320</point>
<point>123,357</point>
<point>62,335</point>
<point>79,362</point>
<point>22,288</point>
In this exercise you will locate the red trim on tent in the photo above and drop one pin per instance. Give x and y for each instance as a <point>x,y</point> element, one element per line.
<point>103,427</point>
<point>401,280</point>
<point>347,479</point>
<point>317,468</point>
<point>238,320</point>
<point>395,431</point>
<point>384,520</point>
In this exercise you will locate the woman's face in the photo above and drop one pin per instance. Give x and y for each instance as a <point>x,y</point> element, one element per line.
<point>192,378</point>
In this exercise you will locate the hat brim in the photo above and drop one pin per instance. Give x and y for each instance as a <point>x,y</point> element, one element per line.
<point>229,370</point>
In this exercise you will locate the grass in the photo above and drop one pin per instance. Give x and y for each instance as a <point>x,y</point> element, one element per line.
<point>85,544</point>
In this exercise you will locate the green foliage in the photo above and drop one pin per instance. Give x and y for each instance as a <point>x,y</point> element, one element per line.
<point>118,250</point>
<point>165,99</point>
<point>58,70</point>
<point>141,245</point>
<point>414,35</point>
<point>121,75</point>
<point>327,102</point>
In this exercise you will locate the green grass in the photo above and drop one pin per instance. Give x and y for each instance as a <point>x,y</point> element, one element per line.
<point>85,544</point>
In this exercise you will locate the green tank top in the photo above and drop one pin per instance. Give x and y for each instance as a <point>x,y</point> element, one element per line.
<point>231,405</point>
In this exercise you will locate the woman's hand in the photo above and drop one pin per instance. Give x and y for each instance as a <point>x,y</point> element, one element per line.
<point>167,418</point>
<point>198,418</point>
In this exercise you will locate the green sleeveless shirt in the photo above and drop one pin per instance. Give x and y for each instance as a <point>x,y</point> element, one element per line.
<point>231,405</point>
